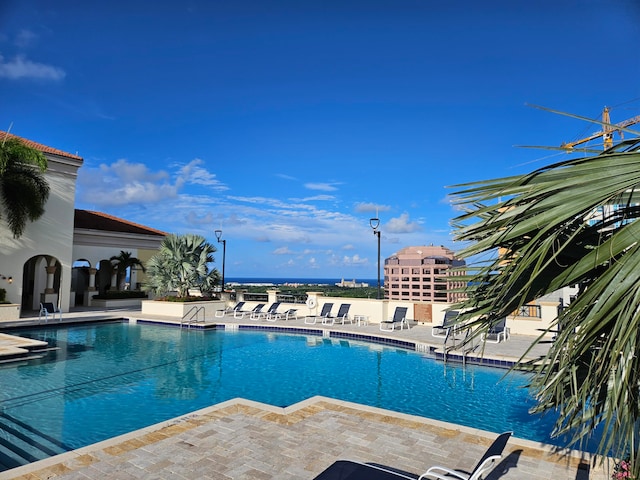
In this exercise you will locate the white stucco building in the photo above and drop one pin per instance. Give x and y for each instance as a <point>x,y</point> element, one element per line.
<point>64,255</point>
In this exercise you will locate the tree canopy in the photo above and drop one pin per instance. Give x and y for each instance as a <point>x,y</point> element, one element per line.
<point>570,223</point>
<point>182,263</point>
<point>23,188</point>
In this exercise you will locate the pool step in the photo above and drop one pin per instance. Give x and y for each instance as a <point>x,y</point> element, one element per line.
<point>21,443</point>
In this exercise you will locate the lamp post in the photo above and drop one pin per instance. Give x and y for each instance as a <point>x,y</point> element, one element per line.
<point>375,223</point>
<point>224,254</point>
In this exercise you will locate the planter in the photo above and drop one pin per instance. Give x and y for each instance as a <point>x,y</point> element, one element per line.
<point>180,309</point>
<point>9,312</point>
<point>117,302</point>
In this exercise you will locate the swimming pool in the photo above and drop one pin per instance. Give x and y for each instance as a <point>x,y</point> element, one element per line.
<point>108,379</point>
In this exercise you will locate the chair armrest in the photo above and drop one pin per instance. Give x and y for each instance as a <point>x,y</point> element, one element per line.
<point>443,473</point>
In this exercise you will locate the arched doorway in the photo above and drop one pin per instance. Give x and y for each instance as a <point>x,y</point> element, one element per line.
<point>80,274</point>
<point>40,282</point>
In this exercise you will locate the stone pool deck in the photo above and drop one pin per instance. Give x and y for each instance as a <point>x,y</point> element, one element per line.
<point>240,439</point>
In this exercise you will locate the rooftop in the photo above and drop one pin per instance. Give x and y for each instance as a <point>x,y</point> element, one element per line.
<point>87,219</point>
<point>39,146</point>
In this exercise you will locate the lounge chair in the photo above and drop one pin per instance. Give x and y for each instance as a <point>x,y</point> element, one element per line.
<point>270,311</point>
<point>350,470</point>
<point>224,311</point>
<point>256,312</point>
<point>399,316</point>
<point>47,310</point>
<point>326,310</point>
<point>288,315</point>
<point>496,332</point>
<point>342,316</point>
<point>448,325</point>
<point>241,313</point>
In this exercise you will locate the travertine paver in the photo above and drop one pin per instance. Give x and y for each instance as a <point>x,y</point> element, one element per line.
<point>245,440</point>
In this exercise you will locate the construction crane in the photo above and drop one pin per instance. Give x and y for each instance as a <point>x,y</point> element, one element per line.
<point>606,133</point>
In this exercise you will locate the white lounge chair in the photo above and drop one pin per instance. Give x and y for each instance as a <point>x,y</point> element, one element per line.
<point>288,315</point>
<point>348,470</point>
<point>312,319</point>
<point>496,332</point>
<point>241,313</point>
<point>266,315</point>
<point>342,316</point>
<point>48,309</point>
<point>399,316</point>
<point>225,311</point>
<point>448,325</point>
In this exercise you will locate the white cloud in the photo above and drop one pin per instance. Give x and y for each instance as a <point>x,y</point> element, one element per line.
<point>325,187</point>
<point>402,224</point>
<point>364,207</point>
<point>193,173</point>
<point>123,183</point>
<point>354,260</point>
<point>21,67</point>
<point>25,38</point>
<point>283,251</point>
<point>315,198</point>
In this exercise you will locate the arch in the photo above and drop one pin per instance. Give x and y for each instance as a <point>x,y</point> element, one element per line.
<point>81,272</point>
<point>41,278</point>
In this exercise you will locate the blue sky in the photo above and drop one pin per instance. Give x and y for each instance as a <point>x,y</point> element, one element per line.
<point>288,124</point>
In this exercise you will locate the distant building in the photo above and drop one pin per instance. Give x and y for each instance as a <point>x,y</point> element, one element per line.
<point>423,274</point>
<point>351,284</point>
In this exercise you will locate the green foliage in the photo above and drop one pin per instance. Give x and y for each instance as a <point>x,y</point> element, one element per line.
<point>543,226</point>
<point>23,189</point>
<point>121,262</point>
<point>3,296</point>
<point>182,264</point>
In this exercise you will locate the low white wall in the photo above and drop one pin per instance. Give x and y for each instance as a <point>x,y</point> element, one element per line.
<point>180,309</point>
<point>117,302</point>
<point>9,311</point>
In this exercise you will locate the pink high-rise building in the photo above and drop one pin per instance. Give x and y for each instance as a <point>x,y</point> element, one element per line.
<point>423,274</point>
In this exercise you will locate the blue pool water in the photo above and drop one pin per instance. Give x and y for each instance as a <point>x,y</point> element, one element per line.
<point>108,379</point>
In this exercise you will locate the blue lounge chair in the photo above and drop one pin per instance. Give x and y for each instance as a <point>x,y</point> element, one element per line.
<point>47,310</point>
<point>342,316</point>
<point>326,310</point>
<point>288,315</point>
<point>241,313</point>
<point>497,331</point>
<point>350,470</point>
<point>224,311</point>
<point>270,311</point>
<point>399,316</point>
<point>448,325</point>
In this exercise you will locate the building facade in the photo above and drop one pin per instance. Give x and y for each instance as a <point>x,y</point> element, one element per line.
<point>423,274</point>
<point>63,257</point>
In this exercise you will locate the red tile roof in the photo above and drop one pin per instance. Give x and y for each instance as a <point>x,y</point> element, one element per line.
<point>39,146</point>
<point>101,221</point>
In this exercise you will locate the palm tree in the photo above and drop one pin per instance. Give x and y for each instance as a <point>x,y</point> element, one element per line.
<point>121,263</point>
<point>571,223</point>
<point>182,263</point>
<point>23,189</point>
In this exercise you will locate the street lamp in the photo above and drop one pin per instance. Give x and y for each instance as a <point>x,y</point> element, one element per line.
<point>375,223</point>
<point>224,253</point>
